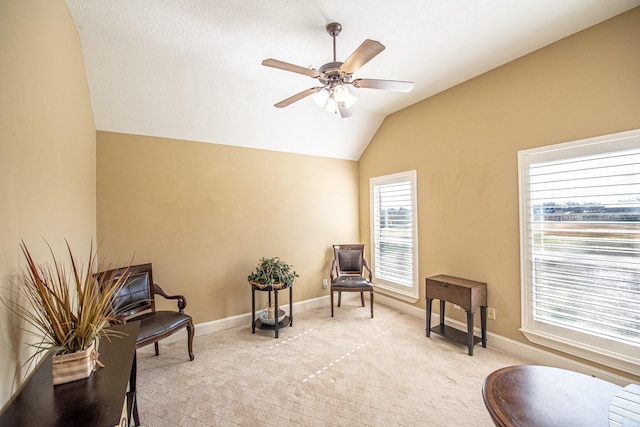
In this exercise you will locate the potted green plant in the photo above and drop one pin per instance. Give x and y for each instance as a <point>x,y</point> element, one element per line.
<point>68,312</point>
<point>272,272</point>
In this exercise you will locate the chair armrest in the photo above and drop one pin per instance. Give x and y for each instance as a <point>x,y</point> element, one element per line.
<point>366,265</point>
<point>182,301</point>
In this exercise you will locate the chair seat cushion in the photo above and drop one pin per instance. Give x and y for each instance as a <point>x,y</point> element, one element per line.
<point>159,322</point>
<point>351,283</point>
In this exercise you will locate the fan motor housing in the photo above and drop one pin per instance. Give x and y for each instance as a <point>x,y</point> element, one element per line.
<point>331,72</point>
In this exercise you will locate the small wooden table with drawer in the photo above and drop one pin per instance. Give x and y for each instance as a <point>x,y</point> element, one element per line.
<point>469,295</point>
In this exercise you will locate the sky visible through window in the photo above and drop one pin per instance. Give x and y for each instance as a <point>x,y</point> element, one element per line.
<point>609,180</point>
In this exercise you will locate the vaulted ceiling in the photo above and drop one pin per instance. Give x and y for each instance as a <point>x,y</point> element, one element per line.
<point>192,70</point>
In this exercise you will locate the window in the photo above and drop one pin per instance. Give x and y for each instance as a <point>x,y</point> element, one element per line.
<point>394,230</point>
<point>580,248</point>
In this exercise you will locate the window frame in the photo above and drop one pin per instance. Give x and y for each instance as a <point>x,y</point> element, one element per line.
<point>601,350</point>
<point>401,291</point>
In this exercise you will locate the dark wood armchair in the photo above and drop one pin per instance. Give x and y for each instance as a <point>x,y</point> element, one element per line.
<point>348,273</point>
<point>136,302</point>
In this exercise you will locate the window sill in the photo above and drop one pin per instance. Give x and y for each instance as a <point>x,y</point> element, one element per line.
<point>393,292</point>
<point>604,357</point>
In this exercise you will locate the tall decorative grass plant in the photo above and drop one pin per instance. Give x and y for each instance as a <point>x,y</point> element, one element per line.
<point>66,308</point>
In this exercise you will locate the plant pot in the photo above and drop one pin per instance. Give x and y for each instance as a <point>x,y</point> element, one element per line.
<point>74,366</point>
<point>277,285</point>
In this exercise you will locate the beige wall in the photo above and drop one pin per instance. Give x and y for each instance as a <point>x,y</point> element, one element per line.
<point>204,214</point>
<point>47,151</point>
<point>464,142</point>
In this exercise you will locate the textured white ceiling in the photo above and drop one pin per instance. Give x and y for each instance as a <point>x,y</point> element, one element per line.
<point>191,69</point>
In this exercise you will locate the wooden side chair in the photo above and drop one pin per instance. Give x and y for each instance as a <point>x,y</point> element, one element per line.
<point>348,273</point>
<point>136,302</point>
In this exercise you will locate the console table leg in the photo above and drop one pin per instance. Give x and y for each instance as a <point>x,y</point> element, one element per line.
<point>470,332</point>
<point>483,325</point>
<point>428,313</point>
<point>442,314</point>
<point>132,389</point>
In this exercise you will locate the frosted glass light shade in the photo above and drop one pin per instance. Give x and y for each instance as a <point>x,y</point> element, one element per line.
<point>340,93</point>
<point>321,97</point>
<point>332,105</point>
<point>350,100</point>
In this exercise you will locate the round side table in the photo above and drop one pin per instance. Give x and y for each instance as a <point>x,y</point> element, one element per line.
<point>257,323</point>
<point>543,396</point>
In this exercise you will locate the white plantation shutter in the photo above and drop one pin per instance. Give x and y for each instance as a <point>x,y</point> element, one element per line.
<point>394,231</point>
<point>580,220</point>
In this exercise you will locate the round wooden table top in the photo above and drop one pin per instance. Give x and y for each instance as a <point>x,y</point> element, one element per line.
<point>544,396</point>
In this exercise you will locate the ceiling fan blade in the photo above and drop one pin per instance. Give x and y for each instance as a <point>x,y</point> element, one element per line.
<point>344,111</point>
<point>363,54</point>
<point>290,67</point>
<point>394,85</point>
<point>297,97</point>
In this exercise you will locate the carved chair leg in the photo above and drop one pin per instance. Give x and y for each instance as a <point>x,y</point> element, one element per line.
<point>362,297</point>
<point>190,333</point>
<point>157,348</point>
<point>331,302</point>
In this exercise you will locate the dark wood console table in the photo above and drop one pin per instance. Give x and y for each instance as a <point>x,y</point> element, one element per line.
<point>543,396</point>
<point>258,323</point>
<point>469,295</point>
<point>103,399</point>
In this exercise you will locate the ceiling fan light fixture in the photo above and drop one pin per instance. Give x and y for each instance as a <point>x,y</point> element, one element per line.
<point>330,98</point>
<point>321,97</point>
<point>331,106</point>
<point>350,99</point>
<point>340,93</point>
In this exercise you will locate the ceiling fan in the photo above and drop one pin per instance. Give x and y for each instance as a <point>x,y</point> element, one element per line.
<point>334,76</point>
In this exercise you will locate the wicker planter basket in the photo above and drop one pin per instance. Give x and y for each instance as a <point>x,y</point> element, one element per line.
<point>74,366</point>
<point>264,286</point>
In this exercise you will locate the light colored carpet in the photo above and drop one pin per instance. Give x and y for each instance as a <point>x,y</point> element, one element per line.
<point>349,370</point>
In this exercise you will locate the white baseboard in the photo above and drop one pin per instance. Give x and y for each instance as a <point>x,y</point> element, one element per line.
<point>516,348</point>
<point>245,318</point>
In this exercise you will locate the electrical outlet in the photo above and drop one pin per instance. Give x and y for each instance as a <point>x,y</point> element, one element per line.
<point>491,313</point>
<point>324,284</point>
<point>456,306</point>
